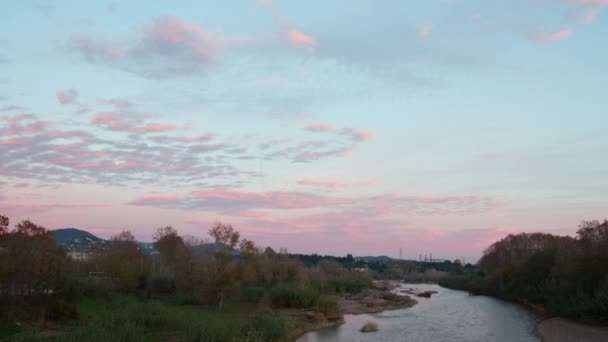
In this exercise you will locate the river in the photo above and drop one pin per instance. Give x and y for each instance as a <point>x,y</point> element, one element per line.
<point>447,316</point>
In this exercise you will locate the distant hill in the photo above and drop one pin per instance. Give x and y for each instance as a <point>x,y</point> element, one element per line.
<point>77,240</point>
<point>376,258</point>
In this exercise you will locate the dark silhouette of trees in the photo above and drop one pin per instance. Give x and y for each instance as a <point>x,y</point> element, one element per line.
<point>225,234</point>
<point>4,222</point>
<point>168,243</point>
<point>31,261</point>
<point>568,276</point>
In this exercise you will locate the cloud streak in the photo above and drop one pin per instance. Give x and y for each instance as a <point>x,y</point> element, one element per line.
<point>545,37</point>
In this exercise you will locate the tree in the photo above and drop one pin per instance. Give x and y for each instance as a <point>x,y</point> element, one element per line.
<point>31,261</point>
<point>225,235</point>
<point>248,248</point>
<point>123,261</point>
<point>167,242</point>
<point>593,232</point>
<point>4,222</point>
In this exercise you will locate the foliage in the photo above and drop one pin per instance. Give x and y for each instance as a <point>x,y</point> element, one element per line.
<point>293,297</point>
<point>265,328</point>
<point>253,294</point>
<point>328,305</point>
<point>225,234</point>
<point>161,284</point>
<point>115,294</point>
<point>568,276</point>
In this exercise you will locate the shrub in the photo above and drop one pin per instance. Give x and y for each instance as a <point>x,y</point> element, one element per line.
<point>328,306</point>
<point>265,328</point>
<point>253,294</point>
<point>350,282</point>
<point>186,298</point>
<point>292,297</point>
<point>96,289</point>
<point>62,310</point>
<point>161,284</point>
<point>391,297</point>
<point>149,315</point>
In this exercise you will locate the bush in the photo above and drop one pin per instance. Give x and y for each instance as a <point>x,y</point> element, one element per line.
<point>96,289</point>
<point>351,282</point>
<point>61,310</point>
<point>149,315</point>
<point>186,298</point>
<point>253,294</point>
<point>292,297</point>
<point>265,328</point>
<point>161,284</point>
<point>328,306</point>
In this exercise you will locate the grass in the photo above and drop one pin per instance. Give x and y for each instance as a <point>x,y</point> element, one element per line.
<point>8,329</point>
<point>127,319</point>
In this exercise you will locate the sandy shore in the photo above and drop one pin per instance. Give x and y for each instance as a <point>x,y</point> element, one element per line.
<point>562,330</point>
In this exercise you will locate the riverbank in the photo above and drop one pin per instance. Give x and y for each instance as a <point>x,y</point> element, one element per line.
<point>305,321</point>
<point>371,301</point>
<point>374,301</point>
<point>562,330</point>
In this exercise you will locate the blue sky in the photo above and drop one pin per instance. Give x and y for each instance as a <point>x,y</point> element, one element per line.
<point>321,126</point>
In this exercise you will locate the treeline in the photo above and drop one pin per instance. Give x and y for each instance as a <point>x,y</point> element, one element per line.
<point>38,281</point>
<point>564,275</point>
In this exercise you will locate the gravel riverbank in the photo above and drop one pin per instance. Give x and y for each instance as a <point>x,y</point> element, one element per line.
<point>562,330</point>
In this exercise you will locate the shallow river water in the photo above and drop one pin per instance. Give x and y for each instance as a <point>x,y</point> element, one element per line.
<point>447,316</point>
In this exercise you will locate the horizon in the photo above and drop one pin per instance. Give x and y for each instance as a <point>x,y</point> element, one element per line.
<point>439,127</point>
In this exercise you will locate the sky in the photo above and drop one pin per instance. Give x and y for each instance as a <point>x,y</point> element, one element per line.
<point>330,127</point>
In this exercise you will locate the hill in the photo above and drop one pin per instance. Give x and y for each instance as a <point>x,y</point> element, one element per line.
<point>76,240</point>
<point>377,258</point>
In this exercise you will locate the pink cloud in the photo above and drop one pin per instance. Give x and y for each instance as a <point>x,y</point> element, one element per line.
<point>15,141</point>
<point>153,127</point>
<point>301,40</point>
<point>27,209</point>
<point>22,125</point>
<point>331,183</point>
<point>271,200</point>
<point>172,36</point>
<point>545,37</point>
<point>114,122</point>
<point>357,134</point>
<point>222,200</point>
<point>327,183</point>
<point>67,96</point>
<point>593,2</point>
<point>104,118</point>
<point>319,128</point>
<point>207,147</point>
<point>167,139</point>
<point>425,30</point>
